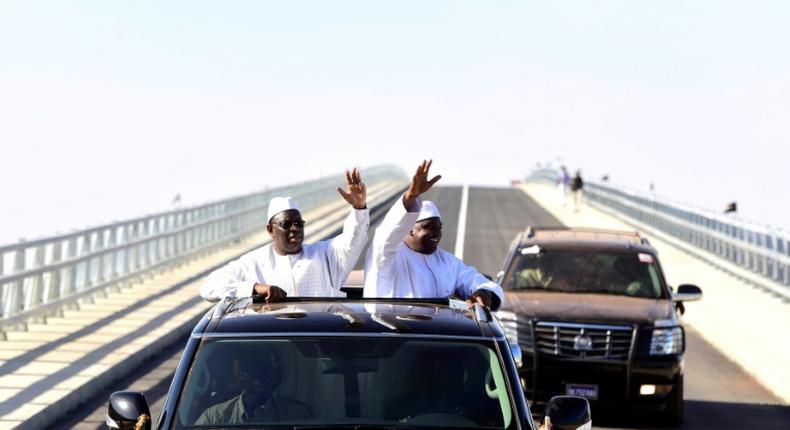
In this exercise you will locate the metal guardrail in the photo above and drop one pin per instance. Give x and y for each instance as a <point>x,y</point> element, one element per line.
<point>41,277</point>
<point>760,249</point>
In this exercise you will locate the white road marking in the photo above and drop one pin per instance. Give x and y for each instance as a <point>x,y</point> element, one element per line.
<point>459,238</point>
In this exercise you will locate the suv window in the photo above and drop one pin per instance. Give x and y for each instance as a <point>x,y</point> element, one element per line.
<point>345,380</point>
<point>585,271</point>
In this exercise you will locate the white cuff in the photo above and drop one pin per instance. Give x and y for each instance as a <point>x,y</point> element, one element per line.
<point>245,289</point>
<point>493,288</point>
<point>416,207</point>
<point>361,214</point>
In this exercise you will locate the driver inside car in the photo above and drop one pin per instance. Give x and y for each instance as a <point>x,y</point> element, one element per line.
<point>258,401</point>
<point>628,276</point>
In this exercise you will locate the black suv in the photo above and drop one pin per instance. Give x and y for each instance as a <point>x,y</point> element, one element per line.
<point>594,317</point>
<point>346,363</point>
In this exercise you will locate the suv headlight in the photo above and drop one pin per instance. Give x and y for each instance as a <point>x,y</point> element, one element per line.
<point>666,341</point>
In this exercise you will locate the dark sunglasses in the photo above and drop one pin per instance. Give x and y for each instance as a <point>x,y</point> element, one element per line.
<point>431,226</point>
<point>286,225</point>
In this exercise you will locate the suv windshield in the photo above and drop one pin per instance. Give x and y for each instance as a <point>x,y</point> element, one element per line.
<point>585,271</point>
<point>314,381</point>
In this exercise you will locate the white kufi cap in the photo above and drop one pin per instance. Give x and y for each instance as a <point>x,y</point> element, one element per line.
<point>280,204</point>
<point>428,210</point>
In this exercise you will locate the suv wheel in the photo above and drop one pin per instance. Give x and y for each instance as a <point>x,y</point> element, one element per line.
<point>673,414</point>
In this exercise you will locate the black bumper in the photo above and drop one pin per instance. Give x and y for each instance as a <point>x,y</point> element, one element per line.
<point>618,382</point>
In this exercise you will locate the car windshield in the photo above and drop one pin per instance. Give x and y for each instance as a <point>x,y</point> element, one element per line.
<point>585,271</point>
<point>336,381</point>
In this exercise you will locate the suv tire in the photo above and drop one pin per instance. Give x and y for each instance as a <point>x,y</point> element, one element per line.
<point>673,415</point>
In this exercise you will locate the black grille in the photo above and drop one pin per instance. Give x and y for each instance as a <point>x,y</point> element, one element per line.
<point>583,340</point>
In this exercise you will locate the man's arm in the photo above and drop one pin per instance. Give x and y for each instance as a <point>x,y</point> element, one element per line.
<point>238,279</point>
<point>231,280</point>
<point>345,248</point>
<point>473,286</point>
<point>390,233</point>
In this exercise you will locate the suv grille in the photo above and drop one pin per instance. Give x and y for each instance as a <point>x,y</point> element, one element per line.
<point>583,340</point>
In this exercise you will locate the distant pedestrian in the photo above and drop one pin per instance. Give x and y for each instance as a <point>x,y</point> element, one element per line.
<point>576,186</point>
<point>563,181</point>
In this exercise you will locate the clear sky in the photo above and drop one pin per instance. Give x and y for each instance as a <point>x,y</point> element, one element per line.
<point>108,109</point>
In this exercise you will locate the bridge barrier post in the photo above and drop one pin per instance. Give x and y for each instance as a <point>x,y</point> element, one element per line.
<point>13,293</point>
<point>69,272</point>
<point>34,288</point>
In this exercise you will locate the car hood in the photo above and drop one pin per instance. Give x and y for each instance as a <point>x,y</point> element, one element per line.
<point>588,307</point>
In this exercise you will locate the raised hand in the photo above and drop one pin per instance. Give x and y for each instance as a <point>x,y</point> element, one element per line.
<point>419,183</point>
<point>356,195</point>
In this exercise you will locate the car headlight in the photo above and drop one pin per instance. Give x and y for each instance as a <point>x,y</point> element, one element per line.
<point>666,341</point>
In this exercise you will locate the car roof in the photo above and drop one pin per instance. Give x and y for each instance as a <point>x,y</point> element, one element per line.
<point>333,316</point>
<point>583,237</point>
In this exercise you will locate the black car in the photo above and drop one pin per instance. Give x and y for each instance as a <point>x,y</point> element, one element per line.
<point>594,317</point>
<point>345,363</point>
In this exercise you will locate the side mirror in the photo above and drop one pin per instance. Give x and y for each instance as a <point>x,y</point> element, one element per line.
<point>567,413</point>
<point>128,410</point>
<point>687,293</point>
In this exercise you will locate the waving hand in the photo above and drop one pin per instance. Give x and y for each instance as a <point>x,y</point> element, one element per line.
<point>356,195</point>
<point>419,183</point>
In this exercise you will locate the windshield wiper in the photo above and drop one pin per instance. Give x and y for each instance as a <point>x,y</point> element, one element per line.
<point>607,292</point>
<point>531,287</point>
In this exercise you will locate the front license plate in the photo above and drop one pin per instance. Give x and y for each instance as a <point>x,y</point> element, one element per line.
<point>582,390</point>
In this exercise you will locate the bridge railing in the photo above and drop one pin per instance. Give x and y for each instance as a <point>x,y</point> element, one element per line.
<point>40,277</point>
<point>755,247</point>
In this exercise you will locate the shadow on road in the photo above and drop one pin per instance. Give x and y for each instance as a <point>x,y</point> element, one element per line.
<point>707,415</point>
<point>152,377</point>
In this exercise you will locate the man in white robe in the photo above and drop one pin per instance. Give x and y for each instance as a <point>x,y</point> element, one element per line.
<point>405,260</point>
<point>288,267</point>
